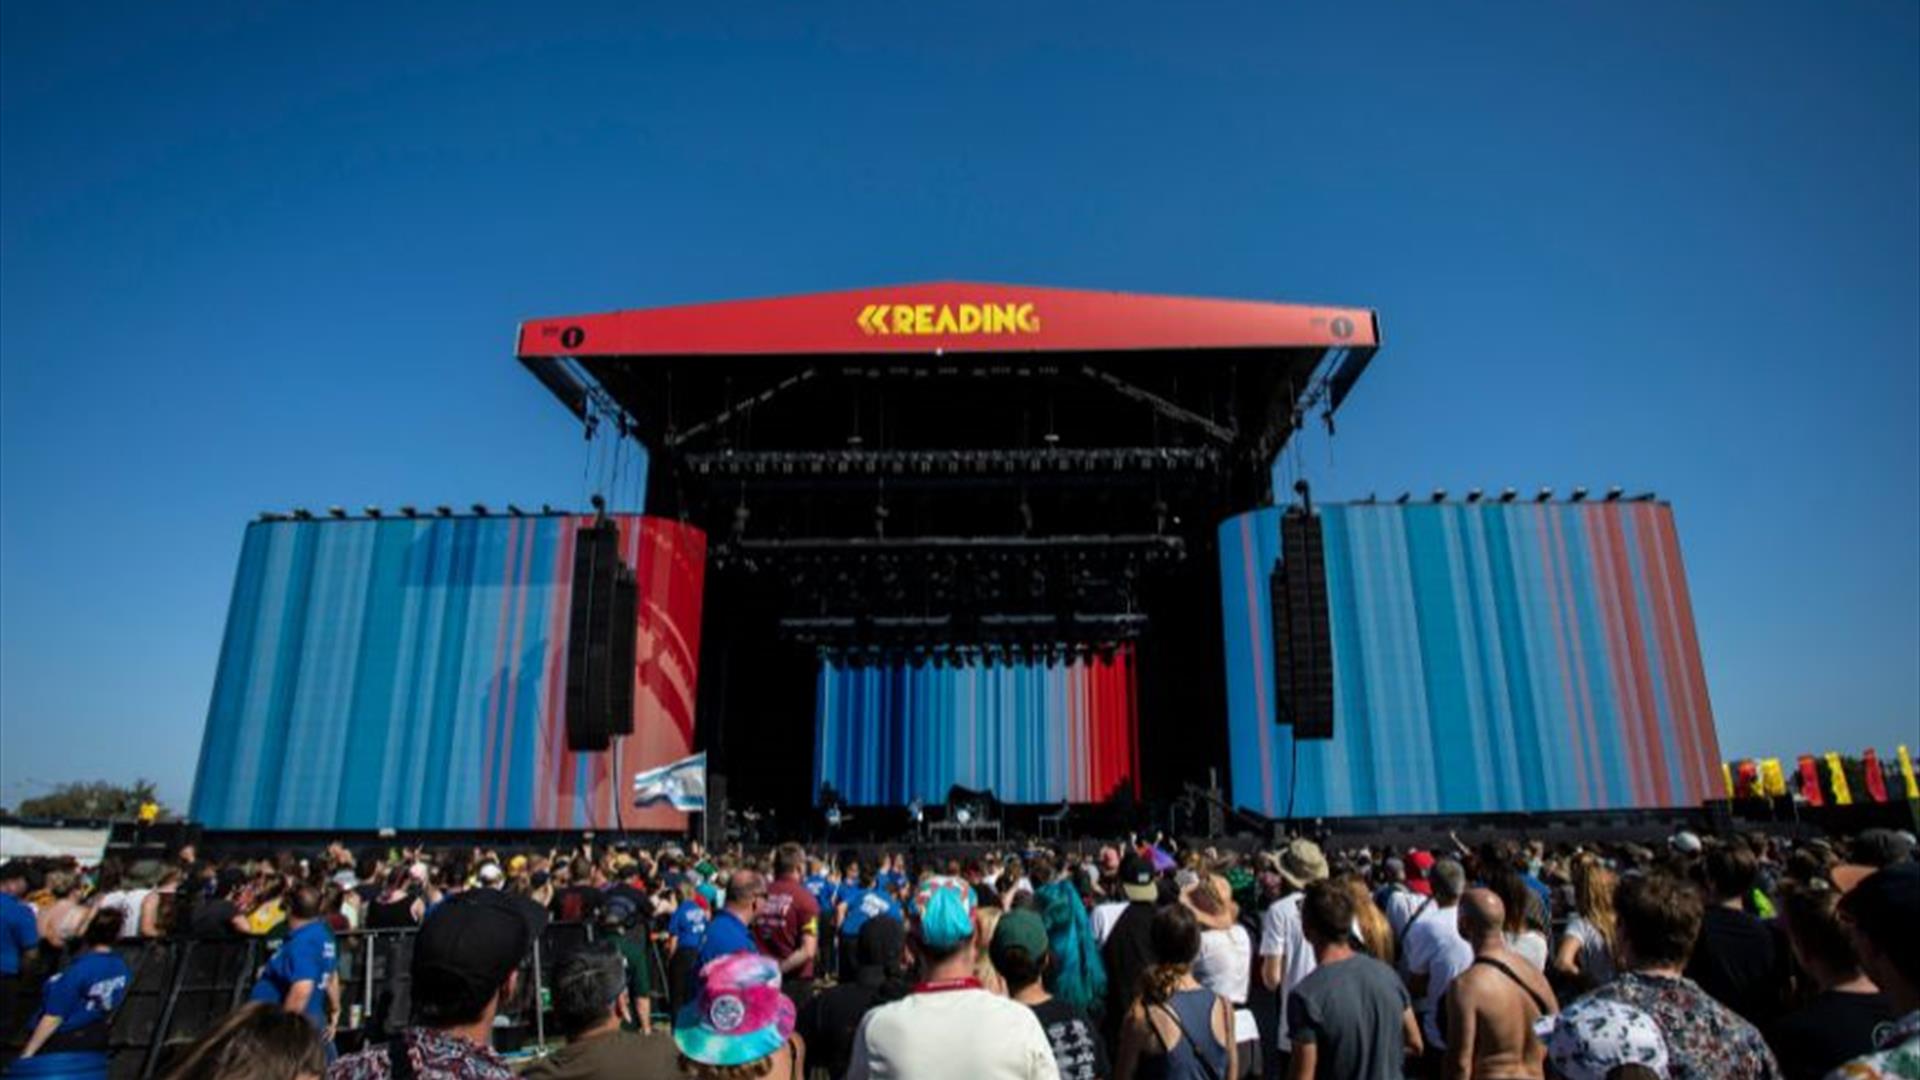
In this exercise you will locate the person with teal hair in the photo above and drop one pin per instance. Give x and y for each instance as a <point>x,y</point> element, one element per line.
<point>1077,976</point>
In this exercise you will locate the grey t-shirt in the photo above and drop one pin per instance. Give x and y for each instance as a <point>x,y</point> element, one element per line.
<point>1351,1011</point>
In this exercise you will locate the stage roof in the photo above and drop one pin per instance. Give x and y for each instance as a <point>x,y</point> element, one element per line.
<point>1240,371</point>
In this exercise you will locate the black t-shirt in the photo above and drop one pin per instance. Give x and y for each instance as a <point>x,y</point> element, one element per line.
<point>1740,961</point>
<point>1832,1028</point>
<point>1077,1048</point>
<point>213,919</point>
<point>1127,952</point>
<point>577,903</point>
<point>829,1021</point>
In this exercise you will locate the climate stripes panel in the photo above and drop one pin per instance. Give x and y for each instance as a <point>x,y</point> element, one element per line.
<point>411,673</point>
<point>1487,657</point>
<point>1031,733</point>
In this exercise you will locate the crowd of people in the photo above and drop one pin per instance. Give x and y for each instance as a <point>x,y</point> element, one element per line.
<point>1743,956</point>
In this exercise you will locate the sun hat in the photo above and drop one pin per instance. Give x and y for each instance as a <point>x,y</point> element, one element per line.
<point>1136,879</point>
<point>945,911</point>
<point>1211,901</point>
<point>738,1015</point>
<point>1594,1036</point>
<point>1302,863</point>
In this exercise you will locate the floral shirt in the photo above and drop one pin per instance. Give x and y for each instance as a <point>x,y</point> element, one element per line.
<point>1705,1039</point>
<point>1897,1059</point>
<point>434,1055</point>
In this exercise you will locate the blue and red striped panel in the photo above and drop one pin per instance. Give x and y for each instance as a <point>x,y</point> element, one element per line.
<point>1488,657</point>
<point>411,674</point>
<point>1031,733</point>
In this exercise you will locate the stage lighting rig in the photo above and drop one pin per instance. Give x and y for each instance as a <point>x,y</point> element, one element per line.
<point>1579,494</point>
<point>336,512</point>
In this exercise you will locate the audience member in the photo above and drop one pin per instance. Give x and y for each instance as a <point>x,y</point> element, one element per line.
<point>1175,1029</point>
<point>949,1027</point>
<point>1738,959</point>
<point>1493,1005</point>
<point>1020,953</point>
<point>1837,1022</point>
<point>465,972</point>
<point>590,1002</point>
<point>1879,910</point>
<point>19,935</point>
<point>1585,954</point>
<point>1659,920</point>
<point>1127,949</point>
<point>1434,952</point>
<point>1350,1018</point>
<point>255,1042</point>
<point>788,926</point>
<point>302,976</point>
<point>828,1021</point>
<point>1285,956</point>
<point>731,931</point>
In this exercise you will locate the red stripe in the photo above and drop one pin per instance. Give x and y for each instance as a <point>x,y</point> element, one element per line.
<point>1666,639</point>
<point>1551,574</point>
<point>1610,598</point>
<point>1705,734</point>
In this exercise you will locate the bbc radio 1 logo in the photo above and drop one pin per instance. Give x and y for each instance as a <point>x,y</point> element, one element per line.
<point>1339,327</point>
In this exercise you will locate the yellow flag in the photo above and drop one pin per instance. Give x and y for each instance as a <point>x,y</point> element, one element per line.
<point>1842,796</point>
<point>1726,777</point>
<point>1773,780</point>
<point>149,812</point>
<point>1906,773</point>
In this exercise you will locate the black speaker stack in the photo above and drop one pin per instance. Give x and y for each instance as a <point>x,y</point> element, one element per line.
<point>1302,636</point>
<point>600,640</point>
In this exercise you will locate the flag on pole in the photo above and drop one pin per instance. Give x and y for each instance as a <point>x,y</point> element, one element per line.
<point>1810,782</point>
<point>1906,772</point>
<point>682,784</point>
<point>1772,778</point>
<point>1875,778</point>
<point>1842,795</point>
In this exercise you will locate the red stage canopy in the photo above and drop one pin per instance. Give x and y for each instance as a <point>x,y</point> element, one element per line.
<point>950,317</point>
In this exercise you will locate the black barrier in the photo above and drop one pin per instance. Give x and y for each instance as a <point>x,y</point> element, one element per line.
<point>182,987</point>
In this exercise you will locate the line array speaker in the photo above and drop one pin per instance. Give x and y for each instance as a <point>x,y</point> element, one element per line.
<point>600,640</point>
<point>1302,635</point>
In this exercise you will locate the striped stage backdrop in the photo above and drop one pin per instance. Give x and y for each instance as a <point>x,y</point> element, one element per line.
<point>1031,733</point>
<point>1488,657</point>
<point>411,673</point>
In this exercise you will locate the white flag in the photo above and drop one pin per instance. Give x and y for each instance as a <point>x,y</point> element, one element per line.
<point>683,784</point>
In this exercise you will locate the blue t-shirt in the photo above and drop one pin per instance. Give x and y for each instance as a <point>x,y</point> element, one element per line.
<point>864,904</point>
<point>822,890</point>
<point>307,954</point>
<point>688,927</point>
<point>889,882</point>
<point>87,992</point>
<point>726,935</point>
<point>19,931</point>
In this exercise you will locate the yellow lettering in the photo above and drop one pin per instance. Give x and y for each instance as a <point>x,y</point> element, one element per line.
<point>929,319</point>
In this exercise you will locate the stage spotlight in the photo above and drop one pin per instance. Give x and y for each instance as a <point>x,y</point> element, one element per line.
<point>1579,494</point>
<point>409,510</point>
<point>1507,495</point>
<point>372,511</point>
<point>1439,495</point>
<point>1614,493</point>
<point>1473,495</point>
<point>480,509</point>
<point>443,510</point>
<point>1545,495</point>
<point>336,512</point>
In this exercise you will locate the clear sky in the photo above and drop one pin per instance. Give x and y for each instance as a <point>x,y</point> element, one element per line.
<point>275,255</point>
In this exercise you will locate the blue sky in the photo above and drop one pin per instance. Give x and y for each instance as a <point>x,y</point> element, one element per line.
<point>274,255</point>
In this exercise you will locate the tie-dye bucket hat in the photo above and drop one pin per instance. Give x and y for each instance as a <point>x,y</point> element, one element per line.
<point>739,1015</point>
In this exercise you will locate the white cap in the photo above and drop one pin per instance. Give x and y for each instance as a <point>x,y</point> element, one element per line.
<point>491,874</point>
<point>1685,843</point>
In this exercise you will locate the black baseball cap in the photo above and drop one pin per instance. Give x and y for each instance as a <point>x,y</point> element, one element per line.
<point>468,946</point>
<point>1136,878</point>
<point>1881,904</point>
